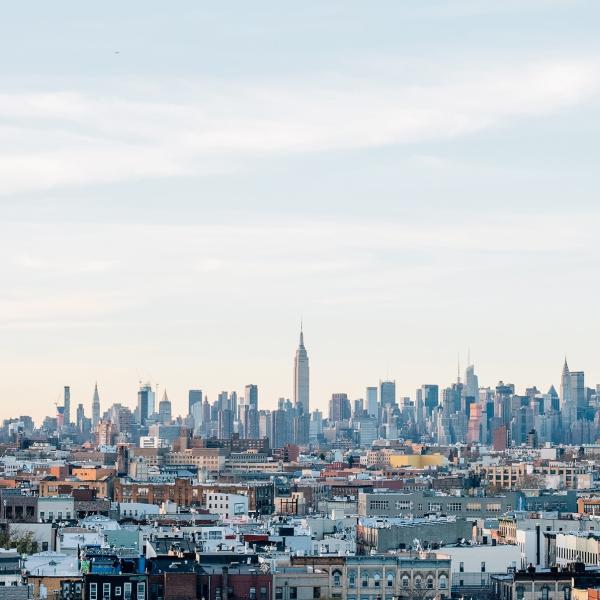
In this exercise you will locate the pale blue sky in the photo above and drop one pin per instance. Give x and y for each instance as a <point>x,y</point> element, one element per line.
<point>179,186</point>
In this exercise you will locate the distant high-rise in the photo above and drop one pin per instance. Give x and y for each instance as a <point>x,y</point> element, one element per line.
<point>80,418</point>
<point>301,376</point>
<point>568,395</point>
<point>251,396</point>
<point>145,405</point>
<point>372,401</point>
<point>67,406</point>
<point>387,393</point>
<point>430,397</point>
<point>339,408</point>
<point>471,388</point>
<point>194,396</point>
<point>95,407</point>
<point>164,409</point>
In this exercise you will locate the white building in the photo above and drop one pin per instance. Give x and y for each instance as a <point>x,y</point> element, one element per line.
<point>227,506</point>
<point>56,508</point>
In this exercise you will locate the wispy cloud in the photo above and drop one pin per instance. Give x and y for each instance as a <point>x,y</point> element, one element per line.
<point>50,140</point>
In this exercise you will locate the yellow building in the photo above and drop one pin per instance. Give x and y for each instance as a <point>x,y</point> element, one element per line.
<point>419,461</point>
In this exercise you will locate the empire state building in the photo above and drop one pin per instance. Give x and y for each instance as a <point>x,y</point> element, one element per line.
<point>301,378</point>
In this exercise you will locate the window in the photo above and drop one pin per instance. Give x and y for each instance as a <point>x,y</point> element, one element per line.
<point>483,566</point>
<point>127,590</point>
<point>93,591</point>
<point>418,582</point>
<point>390,580</point>
<point>141,590</point>
<point>377,579</point>
<point>405,582</point>
<point>364,579</point>
<point>429,582</point>
<point>293,593</point>
<point>278,593</point>
<point>117,591</point>
<point>106,591</point>
<point>337,579</point>
<point>263,593</point>
<point>520,592</point>
<point>545,592</point>
<point>443,582</point>
<point>461,567</point>
<point>316,593</point>
<point>252,593</point>
<point>352,579</point>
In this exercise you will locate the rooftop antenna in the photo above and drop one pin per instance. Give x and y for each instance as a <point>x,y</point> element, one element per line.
<point>458,369</point>
<point>468,356</point>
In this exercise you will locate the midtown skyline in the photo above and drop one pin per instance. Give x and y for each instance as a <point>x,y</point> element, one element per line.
<point>97,403</point>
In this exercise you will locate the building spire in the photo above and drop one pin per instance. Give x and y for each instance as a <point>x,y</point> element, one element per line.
<point>301,334</point>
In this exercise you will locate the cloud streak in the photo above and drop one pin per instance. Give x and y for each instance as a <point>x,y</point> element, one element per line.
<point>52,140</point>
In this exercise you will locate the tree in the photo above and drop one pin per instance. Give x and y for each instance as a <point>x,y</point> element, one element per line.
<point>23,542</point>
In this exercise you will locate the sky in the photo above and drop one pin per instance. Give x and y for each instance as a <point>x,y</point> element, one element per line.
<point>181,185</point>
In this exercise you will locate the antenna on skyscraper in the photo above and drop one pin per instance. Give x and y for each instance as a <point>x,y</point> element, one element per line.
<point>458,370</point>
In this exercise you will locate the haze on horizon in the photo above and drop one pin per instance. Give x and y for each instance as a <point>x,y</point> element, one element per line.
<point>179,188</point>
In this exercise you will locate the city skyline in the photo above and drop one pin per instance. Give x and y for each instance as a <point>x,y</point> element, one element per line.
<point>181,402</point>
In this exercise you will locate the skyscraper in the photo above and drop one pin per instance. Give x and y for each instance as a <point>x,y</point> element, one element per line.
<point>372,401</point>
<point>80,418</point>
<point>387,393</point>
<point>568,400</point>
<point>95,407</point>
<point>251,396</point>
<point>339,408</point>
<point>194,396</point>
<point>430,397</point>
<point>301,376</point>
<point>164,409</point>
<point>67,405</point>
<point>145,405</point>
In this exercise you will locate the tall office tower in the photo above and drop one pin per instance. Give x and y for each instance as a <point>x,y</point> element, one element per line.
<point>372,407</point>
<point>206,412</point>
<point>233,403</point>
<point>67,406</point>
<point>578,394</point>
<point>225,424</point>
<point>265,425</point>
<point>430,397</point>
<point>316,425</point>
<point>248,412</point>
<point>359,407</point>
<point>80,417</point>
<point>301,376</point>
<point>301,428</point>
<point>223,401</point>
<point>387,393</point>
<point>251,396</point>
<point>471,388</point>
<point>252,424</point>
<point>568,399</point>
<point>553,401</point>
<point>164,409</point>
<point>339,408</point>
<point>145,403</point>
<point>95,408</point>
<point>194,396</point>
